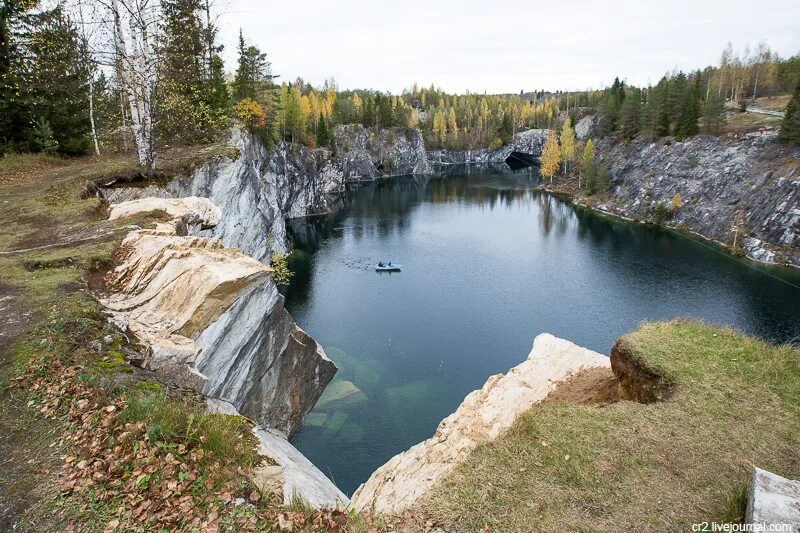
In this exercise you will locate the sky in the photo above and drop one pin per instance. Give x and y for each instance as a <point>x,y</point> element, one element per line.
<point>503,46</point>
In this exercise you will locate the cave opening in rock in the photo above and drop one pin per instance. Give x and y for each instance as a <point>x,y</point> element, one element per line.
<point>518,160</point>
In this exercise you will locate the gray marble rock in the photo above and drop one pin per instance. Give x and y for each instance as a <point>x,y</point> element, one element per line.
<point>752,182</point>
<point>529,143</point>
<point>367,154</point>
<point>774,501</point>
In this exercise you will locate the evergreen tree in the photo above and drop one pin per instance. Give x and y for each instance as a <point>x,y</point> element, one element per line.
<point>790,127</point>
<point>630,114</point>
<point>44,104</point>
<point>713,113</point>
<point>677,96</point>
<point>322,132</point>
<point>253,73</point>
<point>687,122</point>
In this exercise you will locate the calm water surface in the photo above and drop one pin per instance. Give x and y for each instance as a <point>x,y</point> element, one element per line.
<point>488,263</point>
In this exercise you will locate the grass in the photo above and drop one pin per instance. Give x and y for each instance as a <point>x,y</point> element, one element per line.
<point>749,122</point>
<point>63,353</point>
<point>629,466</point>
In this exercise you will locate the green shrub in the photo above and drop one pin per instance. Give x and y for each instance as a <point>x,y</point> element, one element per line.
<point>281,274</point>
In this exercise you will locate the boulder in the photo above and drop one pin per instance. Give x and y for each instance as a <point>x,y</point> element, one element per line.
<point>482,417</point>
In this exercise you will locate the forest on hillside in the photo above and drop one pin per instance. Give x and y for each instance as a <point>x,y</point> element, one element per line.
<point>79,76</point>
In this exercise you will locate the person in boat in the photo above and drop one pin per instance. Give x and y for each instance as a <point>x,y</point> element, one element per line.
<point>380,264</point>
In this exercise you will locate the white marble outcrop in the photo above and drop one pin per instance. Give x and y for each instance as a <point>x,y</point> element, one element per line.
<point>193,210</point>
<point>483,416</point>
<point>774,502</point>
<point>212,320</point>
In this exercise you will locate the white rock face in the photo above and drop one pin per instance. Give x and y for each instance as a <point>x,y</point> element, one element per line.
<point>774,500</point>
<point>193,209</point>
<point>294,476</point>
<point>482,416</point>
<point>213,321</point>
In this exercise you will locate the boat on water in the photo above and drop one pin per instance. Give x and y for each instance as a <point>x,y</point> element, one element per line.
<point>387,267</point>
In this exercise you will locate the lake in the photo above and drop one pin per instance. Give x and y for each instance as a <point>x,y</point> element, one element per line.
<point>488,263</point>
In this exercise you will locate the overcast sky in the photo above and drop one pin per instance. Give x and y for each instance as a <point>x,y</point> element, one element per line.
<point>500,46</point>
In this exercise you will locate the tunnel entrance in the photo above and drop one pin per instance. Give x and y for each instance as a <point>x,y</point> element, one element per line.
<point>518,160</point>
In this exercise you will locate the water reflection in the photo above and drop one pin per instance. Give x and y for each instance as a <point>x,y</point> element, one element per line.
<point>488,263</point>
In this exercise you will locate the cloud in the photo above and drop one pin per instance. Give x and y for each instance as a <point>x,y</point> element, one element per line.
<point>500,46</point>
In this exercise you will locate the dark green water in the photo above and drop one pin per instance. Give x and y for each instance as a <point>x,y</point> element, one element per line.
<point>488,264</point>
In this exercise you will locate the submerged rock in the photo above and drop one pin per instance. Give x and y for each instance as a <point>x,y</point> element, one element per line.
<point>483,416</point>
<point>213,321</point>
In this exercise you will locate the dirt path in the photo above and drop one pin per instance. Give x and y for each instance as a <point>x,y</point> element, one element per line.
<point>26,458</point>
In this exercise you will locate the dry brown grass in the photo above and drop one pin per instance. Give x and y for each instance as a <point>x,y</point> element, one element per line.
<point>740,123</point>
<point>635,467</point>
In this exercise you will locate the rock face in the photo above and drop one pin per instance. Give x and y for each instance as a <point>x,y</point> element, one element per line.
<point>586,126</point>
<point>290,474</point>
<point>482,417</point>
<point>525,143</point>
<point>259,189</point>
<point>752,182</point>
<point>773,500</point>
<point>366,154</point>
<point>213,320</point>
<point>193,211</point>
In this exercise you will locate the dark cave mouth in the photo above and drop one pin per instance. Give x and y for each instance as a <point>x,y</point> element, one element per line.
<point>519,160</point>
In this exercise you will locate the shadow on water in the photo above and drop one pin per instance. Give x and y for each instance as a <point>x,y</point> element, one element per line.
<point>488,263</point>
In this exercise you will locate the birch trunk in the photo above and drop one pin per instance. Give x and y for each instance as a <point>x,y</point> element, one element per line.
<point>91,117</point>
<point>137,76</point>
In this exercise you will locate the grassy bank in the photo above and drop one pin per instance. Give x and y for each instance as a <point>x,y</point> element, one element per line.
<point>649,467</point>
<point>88,442</point>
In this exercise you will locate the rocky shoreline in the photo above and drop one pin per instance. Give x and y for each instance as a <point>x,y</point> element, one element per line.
<point>251,197</point>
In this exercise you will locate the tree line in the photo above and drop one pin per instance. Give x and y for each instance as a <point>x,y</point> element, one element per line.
<point>96,75</point>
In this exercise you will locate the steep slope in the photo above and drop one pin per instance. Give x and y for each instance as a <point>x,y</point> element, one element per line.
<point>748,185</point>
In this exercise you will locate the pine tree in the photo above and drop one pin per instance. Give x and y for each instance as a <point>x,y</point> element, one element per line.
<point>322,133</point>
<point>253,73</point>
<point>713,113</point>
<point>687,123</point>
<point>790,127</point>
<point>630,114</point>
<point>50,74</point>
<point>551,156</point>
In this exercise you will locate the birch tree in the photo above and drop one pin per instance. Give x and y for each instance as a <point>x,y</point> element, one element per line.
<point>134,27</point>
